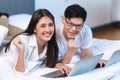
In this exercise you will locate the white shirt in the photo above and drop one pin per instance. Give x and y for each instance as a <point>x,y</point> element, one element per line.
<point>83,39</point>
<point>30,51</point>
<point>3,33</point>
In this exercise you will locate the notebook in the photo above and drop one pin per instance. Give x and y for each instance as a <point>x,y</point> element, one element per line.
<point>80,67</point>
<point>114,58</point>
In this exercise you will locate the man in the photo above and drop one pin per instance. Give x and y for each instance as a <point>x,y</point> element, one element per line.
<point>74,36</point>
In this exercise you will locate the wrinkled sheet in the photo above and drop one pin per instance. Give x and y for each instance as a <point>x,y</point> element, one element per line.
<point>100,46</point>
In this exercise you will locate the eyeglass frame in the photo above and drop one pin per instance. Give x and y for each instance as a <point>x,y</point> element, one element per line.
<point>80,26</point>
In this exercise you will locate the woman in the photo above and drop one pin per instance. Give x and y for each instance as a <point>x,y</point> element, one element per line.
<point>37,43</point>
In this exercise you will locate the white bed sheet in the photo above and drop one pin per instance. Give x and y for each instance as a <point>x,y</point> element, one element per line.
<point>116,77</point>
<point>108,47</point>
<point>100,45</point>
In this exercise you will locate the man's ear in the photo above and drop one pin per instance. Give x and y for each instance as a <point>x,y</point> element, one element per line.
<point>63,19</point>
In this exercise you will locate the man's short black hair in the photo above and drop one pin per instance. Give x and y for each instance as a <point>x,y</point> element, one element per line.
<point>75,11</point>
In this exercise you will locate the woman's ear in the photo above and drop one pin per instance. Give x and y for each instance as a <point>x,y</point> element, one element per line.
<point>34,31</point>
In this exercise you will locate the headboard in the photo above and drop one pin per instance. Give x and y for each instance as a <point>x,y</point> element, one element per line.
<point>17,6</point>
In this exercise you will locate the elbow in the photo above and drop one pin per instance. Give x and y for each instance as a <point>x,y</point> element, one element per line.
<point>19,69</point>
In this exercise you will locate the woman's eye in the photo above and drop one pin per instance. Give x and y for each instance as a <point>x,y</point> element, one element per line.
<point>51,24</point>
<point>42,26</point>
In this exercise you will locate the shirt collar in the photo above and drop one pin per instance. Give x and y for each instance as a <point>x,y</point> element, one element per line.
<point>33,40</point>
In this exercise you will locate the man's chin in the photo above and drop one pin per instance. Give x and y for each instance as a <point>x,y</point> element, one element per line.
<point>72,37</point>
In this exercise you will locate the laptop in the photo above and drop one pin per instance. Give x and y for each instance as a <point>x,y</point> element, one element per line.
<point>82,66</point>
<point>114,58</point>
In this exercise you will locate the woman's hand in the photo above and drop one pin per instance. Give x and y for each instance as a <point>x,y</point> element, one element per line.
<point>63,68</point>
<point>17,42</point>
<point>20,61</point>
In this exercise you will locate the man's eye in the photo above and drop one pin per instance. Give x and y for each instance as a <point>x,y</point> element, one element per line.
<point>72,24</point>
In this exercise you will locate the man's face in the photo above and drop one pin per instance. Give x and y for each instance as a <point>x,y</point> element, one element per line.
<point>72,27</point>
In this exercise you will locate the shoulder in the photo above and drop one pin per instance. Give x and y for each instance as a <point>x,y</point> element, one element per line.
<point>23,37</point>
<point>85,32</point>
<point>86,29</point>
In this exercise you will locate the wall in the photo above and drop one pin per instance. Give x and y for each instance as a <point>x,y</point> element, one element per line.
<point>115,10</point>
<point>17,6</point>
<point>99,11</point>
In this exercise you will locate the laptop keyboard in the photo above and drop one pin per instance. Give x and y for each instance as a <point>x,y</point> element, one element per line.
<point>63,75</point>
<point>54,74</point>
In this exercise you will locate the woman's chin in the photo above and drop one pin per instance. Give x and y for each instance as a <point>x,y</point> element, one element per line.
<point>47,39</point>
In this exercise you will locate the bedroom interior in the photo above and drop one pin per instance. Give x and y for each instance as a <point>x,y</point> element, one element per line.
<point>103,27</point>
<point>105,17</point>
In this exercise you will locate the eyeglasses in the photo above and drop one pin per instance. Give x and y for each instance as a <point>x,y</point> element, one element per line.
<point>70,24</point>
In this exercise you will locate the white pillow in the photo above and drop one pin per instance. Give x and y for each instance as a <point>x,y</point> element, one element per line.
<point>20,20</point>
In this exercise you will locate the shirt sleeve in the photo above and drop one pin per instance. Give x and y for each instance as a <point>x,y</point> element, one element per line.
<point>87,39</point>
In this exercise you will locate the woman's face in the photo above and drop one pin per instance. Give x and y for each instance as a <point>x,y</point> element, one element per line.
<point>44,29</point>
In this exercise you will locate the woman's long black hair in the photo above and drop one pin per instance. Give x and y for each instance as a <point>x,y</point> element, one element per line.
<point>52,51</point>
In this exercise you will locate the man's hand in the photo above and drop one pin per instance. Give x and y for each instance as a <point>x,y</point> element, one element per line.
<point>72,47</point>
<point>102,63</point>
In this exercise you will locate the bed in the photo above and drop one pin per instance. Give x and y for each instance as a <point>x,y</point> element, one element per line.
<point>23,9</point>
<point>100,45</point>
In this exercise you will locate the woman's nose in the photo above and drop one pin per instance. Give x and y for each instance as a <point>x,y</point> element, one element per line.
<point>47,28</point>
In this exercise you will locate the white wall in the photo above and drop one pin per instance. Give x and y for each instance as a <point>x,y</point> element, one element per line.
<point>99,11</point>
<point>115,10</point>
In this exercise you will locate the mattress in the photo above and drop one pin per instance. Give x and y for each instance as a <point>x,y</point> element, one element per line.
<point>108,47</point>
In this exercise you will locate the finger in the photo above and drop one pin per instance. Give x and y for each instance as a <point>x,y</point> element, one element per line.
<point>68,69</point>
<point>62,71</point>
<point>101,64</point>
<point>65,71</point>
<point>19,42</point>
<point>71,40</point>
<point>16,39</point>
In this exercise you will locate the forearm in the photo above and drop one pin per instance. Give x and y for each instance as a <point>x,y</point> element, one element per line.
<point>20,63</point>
<point>85,53</point>
<point>72,48</point>
<point>85,56</point>
<point>67,58</point>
